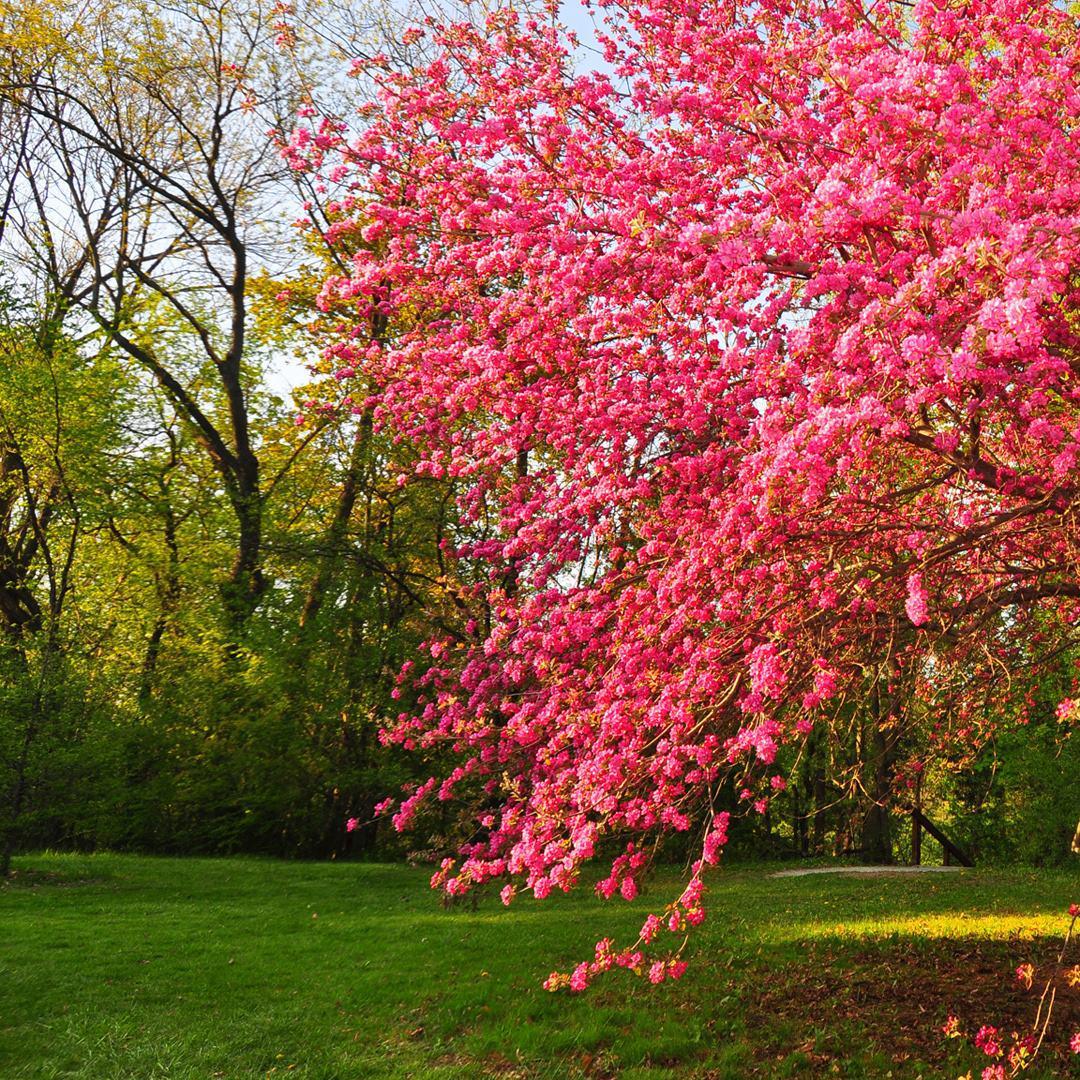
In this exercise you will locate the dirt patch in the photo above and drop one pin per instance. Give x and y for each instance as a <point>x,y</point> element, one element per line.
<point>895,1000</point>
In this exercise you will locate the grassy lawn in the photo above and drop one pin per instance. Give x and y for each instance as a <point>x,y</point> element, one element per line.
<point>116,967</point>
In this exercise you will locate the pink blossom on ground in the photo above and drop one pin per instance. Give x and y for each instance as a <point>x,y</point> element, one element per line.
<point>987,1040</point>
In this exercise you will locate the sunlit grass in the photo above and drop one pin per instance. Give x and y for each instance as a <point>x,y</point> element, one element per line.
<point>951,927</point>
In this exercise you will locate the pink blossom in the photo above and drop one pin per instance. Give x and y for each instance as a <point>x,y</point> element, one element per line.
<point>767,672</point>
<point>650,928</point>
<point>715,393</point>
<point>716,838</point>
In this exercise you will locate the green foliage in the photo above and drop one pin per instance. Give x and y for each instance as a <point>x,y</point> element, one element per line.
<point>1016,798</point>
<point>130,716</point>
<point>72,765</point>
<point>1020,801</point>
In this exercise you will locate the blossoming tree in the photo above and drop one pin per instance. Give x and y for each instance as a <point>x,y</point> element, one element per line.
<point>754,358</point>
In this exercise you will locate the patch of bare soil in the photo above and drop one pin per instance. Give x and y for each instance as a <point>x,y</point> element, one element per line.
<point>895,1000</point>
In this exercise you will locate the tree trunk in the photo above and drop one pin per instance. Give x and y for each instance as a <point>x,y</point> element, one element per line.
<point>355,477</point>
<point>881,751</point>
<point>168,600</point>
<point>246,584</point>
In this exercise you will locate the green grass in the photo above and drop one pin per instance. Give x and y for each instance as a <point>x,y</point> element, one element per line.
<point>125,968</point>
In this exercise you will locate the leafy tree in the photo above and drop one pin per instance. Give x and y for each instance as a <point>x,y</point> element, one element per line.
<point>142,174</point>
<point>760,349</point>
<point>246,588</point>
<point>57,433</point>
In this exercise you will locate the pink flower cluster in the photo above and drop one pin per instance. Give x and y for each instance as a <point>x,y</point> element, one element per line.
<point>987,1040</point>
<point>605,959</point>
<point>916,604</point>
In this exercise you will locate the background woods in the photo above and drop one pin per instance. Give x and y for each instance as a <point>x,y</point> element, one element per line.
<point>204,603</point>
